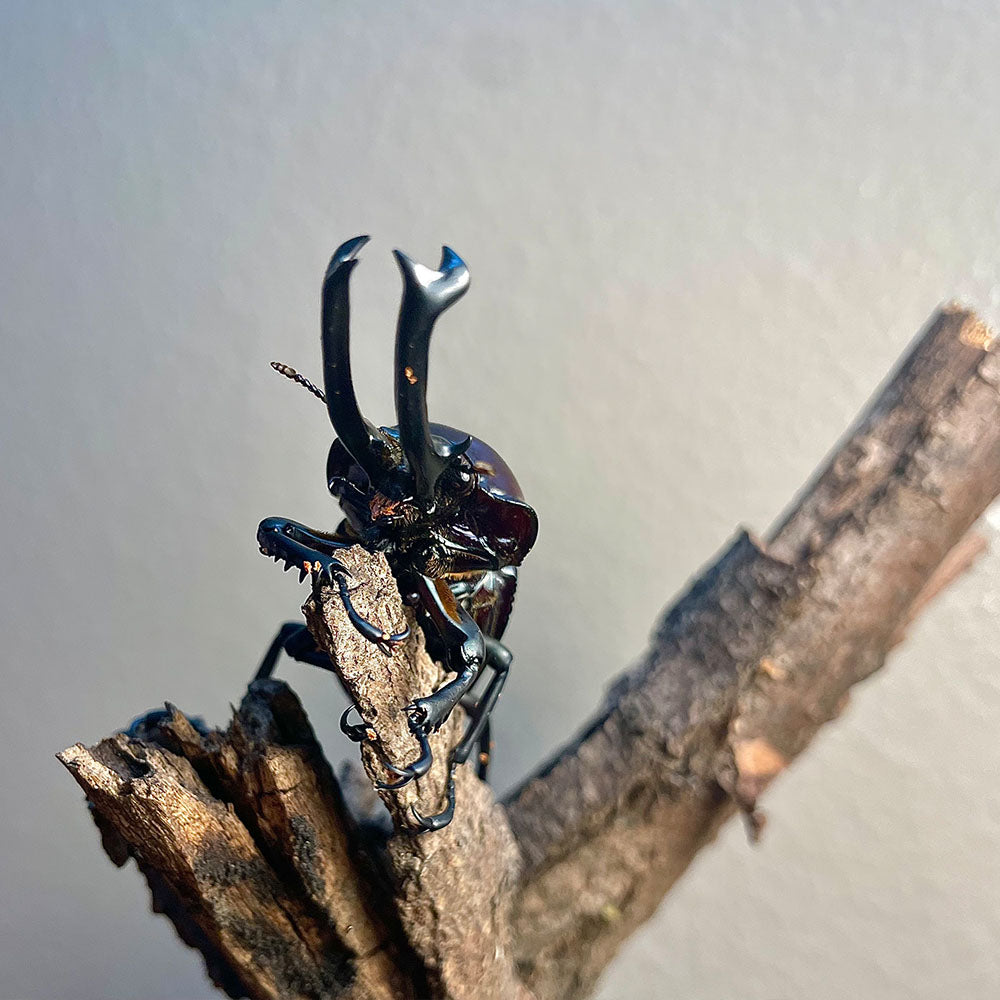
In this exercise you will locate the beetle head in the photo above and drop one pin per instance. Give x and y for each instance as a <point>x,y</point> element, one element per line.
<point>389,509</point>
<point>394,482</point>
<point>390,479</point>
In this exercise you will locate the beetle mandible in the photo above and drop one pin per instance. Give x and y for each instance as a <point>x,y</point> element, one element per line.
<point>443,507</point>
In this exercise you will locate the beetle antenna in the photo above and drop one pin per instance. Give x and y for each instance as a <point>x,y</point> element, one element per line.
<point>291,373</point>
<point>426,294</point>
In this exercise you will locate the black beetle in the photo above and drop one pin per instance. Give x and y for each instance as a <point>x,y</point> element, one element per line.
<point>443,507</point>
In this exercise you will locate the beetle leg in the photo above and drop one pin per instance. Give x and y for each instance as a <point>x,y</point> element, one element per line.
<point>360,733</point>
<point>384,640</point>
<point>485,741</point>
<point>430,713</point>
<point>464,653</point>
<point>415,770</point>
<point>297,641</point>
<point>421,715</point>
<point>313,552</point>
<point>485,755</point>
<point>280,538</point>
<point>499,658</point>
<point>144,727</point>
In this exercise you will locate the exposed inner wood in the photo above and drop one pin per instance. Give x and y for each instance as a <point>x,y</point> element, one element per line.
<point>247,845</point>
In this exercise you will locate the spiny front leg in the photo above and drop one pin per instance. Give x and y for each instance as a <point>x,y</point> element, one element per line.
<point>301,547</point>
<point>313,553</point>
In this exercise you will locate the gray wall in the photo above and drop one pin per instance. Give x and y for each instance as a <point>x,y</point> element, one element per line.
<point>699,235</point>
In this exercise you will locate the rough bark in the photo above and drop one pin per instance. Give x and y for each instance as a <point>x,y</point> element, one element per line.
<point>453,887</point>
<point>757,655</point>
<point>247,843</point>
<point>249,849</point>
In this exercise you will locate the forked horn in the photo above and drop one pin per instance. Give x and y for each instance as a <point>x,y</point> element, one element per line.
<point>355,433</point>
<point>426,294</point>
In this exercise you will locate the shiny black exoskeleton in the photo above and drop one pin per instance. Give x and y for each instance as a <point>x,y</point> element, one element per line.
<point>443,507</point>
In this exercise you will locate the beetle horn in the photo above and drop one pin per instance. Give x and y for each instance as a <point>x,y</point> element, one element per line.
<point>355,433</point>
<point>426,294</point>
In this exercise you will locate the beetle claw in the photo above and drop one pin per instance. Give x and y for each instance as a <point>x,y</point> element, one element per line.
<point>357,734</point>
<point>428,824</point>
<point>393,786</point>
<point>384,640</point>
<point>360,733</point>
<point>415,770</point>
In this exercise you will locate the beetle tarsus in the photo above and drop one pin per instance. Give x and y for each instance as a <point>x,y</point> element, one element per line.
<point>359,733</point>
<point>476,735</point>
<point>355,733</point>
<point>415,770</point>
<point>429,824</point>
<point>384,640</point>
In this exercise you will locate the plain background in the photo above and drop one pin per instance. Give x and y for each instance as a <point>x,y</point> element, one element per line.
<point>700,234</point>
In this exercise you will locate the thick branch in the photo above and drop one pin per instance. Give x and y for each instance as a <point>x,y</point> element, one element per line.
<point>754,659</point>
<point>453,888</point>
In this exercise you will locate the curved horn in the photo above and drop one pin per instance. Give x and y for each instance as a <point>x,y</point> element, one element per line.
<point>353,430</point>
<point>426,294</point>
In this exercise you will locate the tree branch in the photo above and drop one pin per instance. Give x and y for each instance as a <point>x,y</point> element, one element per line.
<point>757,655</point>
<point>247,843</point>
<point>453,887</point>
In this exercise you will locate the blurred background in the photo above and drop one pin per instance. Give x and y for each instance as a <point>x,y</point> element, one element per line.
<point>700,234</point>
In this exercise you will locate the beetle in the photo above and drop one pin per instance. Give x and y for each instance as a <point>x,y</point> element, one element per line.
<point>442,505</point>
